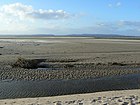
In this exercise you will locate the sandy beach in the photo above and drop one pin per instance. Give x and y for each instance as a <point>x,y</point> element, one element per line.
<point>129,97</point>
<point>60,52</point>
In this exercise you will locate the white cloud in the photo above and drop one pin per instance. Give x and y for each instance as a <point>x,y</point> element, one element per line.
<point>130,23</point>
<point>48,14</point>
<point>110,5</point>
<point>116,27</point>
<point>22,12</point>
<point>117,4</point>
<point>20,18</point>
<point>17,18</point>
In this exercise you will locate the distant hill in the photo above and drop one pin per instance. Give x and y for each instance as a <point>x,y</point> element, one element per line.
<point>96,35</point>
<point>76,35</point>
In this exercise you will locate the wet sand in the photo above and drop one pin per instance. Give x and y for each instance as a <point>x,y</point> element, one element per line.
<point>125,97</point>
<point>44,88</point>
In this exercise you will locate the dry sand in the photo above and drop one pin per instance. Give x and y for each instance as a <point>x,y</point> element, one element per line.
<point>129,97</point>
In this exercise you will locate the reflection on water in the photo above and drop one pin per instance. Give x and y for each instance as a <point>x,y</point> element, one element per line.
<point>17,89</point>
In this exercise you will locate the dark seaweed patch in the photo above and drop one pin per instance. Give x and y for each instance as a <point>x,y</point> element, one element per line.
<point>27,63</point>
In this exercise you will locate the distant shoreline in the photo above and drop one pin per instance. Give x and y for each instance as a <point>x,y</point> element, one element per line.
<point>100,37</point>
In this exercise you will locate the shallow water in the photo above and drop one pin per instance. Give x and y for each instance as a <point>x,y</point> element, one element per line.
<point>18,89</point>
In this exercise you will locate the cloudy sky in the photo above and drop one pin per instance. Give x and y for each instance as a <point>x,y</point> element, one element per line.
<point>70,17</point>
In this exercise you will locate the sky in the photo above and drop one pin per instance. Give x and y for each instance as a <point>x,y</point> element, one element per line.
<point>63,17</point>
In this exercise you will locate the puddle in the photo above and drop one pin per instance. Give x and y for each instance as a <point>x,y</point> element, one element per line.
<point>48,68</point>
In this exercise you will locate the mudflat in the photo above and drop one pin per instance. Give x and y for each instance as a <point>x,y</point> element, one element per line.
<point>69,58</point>
<point>68,61</point>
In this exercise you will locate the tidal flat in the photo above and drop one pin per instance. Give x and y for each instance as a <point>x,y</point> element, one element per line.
<point>71,60</point>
